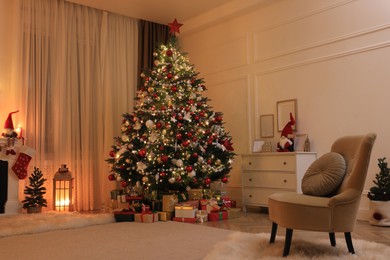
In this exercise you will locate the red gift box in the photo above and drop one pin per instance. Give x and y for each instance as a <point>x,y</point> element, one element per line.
<point>188,220</point>
<point>217,215</point>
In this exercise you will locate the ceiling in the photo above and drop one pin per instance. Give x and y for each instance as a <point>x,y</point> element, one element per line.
<point>159,11</point>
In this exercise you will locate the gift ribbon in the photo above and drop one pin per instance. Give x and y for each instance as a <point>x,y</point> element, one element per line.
<point>147,213</point>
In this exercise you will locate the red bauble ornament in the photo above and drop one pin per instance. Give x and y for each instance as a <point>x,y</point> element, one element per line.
<point>169,75</point>
<point>158,125</point>
<point>224,179</point>
<point>164,158</point>
<point>169,53</point>
<point>179,136</point>
<point>189,168</point>
<point>174,88</point>
<point>112,153</point>
<point>124,184</point>
<point>218,118</point>
<point>207,181</point>
<point>111,177</point>
<point>195,155</point>
<point>186,143</point>
<point>142,152</point>
<point>163,174</point>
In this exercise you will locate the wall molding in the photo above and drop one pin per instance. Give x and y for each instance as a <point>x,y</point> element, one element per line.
<point>326,58</point>
<point>322,43</point>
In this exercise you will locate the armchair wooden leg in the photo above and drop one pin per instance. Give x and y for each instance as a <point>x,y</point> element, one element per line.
<point>348,240</point>
<point>332,238</point>
<point>287,242</point>
<point>273,232</point>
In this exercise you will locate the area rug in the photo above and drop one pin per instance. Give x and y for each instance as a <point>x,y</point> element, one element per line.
<point>19,224</point>
<point>256,246</point>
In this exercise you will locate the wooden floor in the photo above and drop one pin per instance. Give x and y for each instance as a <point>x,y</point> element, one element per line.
<point>256,221</point>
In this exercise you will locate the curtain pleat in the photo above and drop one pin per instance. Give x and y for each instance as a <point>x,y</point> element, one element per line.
<point>79,68</point>
<point>150,36</point>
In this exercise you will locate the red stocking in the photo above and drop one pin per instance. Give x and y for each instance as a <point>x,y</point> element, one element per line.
<point>21,164</point>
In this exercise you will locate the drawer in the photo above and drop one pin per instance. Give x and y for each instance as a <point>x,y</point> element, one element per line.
<point>258,196</point>
<point>269,163</point>
<point>269,180</point>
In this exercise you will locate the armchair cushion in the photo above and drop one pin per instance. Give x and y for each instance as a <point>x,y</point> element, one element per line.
<point>324,175</point>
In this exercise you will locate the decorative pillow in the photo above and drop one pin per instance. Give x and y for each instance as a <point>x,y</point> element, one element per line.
<point>324,175</point>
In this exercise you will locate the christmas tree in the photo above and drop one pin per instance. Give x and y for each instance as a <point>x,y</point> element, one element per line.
<point>36,190</point>
<point>381,190</point>
<point>173,140</point>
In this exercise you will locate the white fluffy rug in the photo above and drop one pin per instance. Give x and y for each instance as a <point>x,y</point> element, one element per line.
<point>35,223</point>
<point>256,246</point>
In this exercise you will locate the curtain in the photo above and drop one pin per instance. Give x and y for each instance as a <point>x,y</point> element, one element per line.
<point>78,68</point>
<point>150,36</point>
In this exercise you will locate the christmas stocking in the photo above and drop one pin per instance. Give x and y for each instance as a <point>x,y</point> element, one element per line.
<point>21,164</point>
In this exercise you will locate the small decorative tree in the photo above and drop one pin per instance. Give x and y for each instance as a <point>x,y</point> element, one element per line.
<point>34,200</point>
<point>381,190</point>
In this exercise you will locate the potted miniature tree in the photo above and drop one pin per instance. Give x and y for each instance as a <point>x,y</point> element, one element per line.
<point>34,200</point>
<point>379,196</point>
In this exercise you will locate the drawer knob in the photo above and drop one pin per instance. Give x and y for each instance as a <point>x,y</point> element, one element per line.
<point>250,196</point>
<point>284,163</point>
<point>250,163</point>
<point>284,181</point>
<point>250,179</point>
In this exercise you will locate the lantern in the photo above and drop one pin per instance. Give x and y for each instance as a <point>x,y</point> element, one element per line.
<point>62,190</point>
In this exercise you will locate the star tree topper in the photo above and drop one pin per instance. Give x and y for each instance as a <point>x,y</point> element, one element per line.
<point>174,27</point>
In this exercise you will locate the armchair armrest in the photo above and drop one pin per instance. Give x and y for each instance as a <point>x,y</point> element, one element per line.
<point>345,197</point>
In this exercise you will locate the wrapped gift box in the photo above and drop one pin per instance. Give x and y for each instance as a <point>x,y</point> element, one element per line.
<point>124,216</point>
<point>217,215</point>
<point>193,203</point>
<point>201,216</point>
<point>165,216</point>
<point>185,211</point>
<point>188,220</point>
<point>195,194</point>
<point>169,202</point>
<point>148,217</point>
<point>209,205</point>
<point>234,212</point>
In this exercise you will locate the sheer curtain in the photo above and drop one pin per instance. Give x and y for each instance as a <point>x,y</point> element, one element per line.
<point>79,71</point>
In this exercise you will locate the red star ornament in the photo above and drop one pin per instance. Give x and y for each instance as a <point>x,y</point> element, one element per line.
<point>174,27</point>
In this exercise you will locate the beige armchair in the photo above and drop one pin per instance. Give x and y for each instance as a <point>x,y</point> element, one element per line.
<point>333,213</point>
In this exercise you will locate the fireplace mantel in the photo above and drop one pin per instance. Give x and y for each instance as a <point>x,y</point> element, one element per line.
<point>13,205</point>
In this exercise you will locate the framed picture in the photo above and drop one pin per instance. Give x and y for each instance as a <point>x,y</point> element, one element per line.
<point>257,146</point>
<point>284,108</point>
<point>266,126</point>
<point>299,142</point>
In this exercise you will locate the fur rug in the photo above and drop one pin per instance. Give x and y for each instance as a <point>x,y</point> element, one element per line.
<point>256,246</point>
<point>19,224</point>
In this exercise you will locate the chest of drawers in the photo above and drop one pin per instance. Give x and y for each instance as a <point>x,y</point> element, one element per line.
<point>267,173</point>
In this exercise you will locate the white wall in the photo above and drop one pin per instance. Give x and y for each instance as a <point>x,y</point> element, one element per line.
<point>333,56</point>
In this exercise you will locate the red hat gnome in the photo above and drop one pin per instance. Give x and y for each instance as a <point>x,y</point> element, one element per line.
<point>9,130</point>
<point>286,141</point>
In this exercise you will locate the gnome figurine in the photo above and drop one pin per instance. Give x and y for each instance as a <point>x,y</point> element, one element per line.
<point>286,141</point>
<point>9,131</point>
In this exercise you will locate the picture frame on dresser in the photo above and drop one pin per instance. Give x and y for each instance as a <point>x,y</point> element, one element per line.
<point>284,108</point>
<point>257,146</point>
